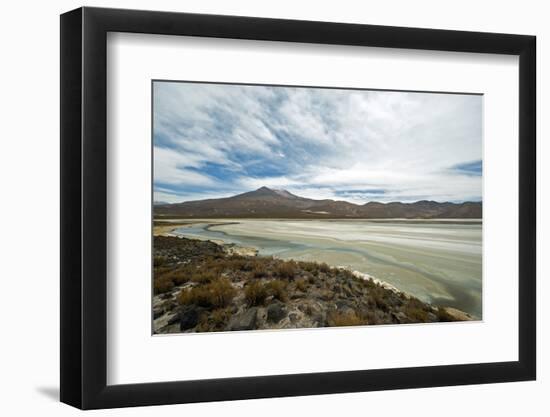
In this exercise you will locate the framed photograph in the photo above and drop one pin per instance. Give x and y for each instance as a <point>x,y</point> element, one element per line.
<point>257,208</point>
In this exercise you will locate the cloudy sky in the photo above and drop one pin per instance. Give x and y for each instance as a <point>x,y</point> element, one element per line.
<point>214,140</point>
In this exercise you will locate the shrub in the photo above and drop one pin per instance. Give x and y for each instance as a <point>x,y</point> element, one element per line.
<point>218,265</point>
<point>286,269</point>
<point>220,316</point>
<point>301,285</point>
<point>369,317</point>
<point>369,283</point>
<point>349,318</point>
<point>162,285</point>
<point>323,267</point>
<point>346,273</point>
<point>416,310</point>
<point>312,267</point>
<point>215,321</point>
<point>217,294</point>
<point>159,261</point>
<point>180,278</point>
<point>196,295</point>
<point>277,289</point>
<point>248,265</point>
<point>258,270</point>
<point>381,304</point>
<point>202,276</point>
<point>177,276</point>
<point>377,296</point>
<point>417,315</point>
<point>166,278</point>
<point>326,295</point>
<point>222,292</point>
<point>255,293</point>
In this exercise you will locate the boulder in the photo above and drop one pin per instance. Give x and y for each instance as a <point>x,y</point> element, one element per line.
<point>189,317</point>
<point>174,319</point>
<point>244,321</point>
<point>275,312</point>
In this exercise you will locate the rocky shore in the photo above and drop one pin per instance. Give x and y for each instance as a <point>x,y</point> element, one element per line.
<point>202,286</point>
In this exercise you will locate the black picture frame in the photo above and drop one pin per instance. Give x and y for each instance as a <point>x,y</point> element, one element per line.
<point>84,207</point>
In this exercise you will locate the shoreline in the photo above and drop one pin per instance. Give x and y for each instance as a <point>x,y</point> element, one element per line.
<point>168,227</point>
<point>192,220</point>
<point>234,249</point>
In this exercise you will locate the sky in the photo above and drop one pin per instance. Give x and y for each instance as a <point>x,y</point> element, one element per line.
<point>218,140</point>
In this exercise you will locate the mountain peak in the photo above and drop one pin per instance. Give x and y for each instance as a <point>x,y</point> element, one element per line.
<point>264,192</point>
<point>264,188</point>
<point>266,202</point>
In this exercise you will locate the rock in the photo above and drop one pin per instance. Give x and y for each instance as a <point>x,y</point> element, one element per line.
<point>326,295</point>
<point>157,314</point>
<point>347,292</point>
<point>400,317</point>
<point>173,328</point>
<point>319,320</point>
<point>458,315</point>
<point>297,294</point>
<point>174,319</point>
<point>345,308</point>
<point>293,317</point>
<point>244,321</point>
<point>275,312</point>
<point>189,317</point>
<point>261,315</point>
<point>343,305</point>
<point>164,321</point>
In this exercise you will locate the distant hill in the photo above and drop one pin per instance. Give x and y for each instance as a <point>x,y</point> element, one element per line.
<point>269,203</point>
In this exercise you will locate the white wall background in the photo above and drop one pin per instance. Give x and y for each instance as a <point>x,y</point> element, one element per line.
<point>29,175</point>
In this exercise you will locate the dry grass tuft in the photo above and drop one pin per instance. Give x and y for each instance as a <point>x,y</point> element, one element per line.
<point>277,289</point>
<point>339,319</point>
<point>216,294</point>
<point>255,293</point>
<point>286,269</point>
<point>301,285</point>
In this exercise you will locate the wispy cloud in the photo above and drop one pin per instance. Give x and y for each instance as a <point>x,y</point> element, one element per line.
<point>469,168</point>
<point>215,140</point>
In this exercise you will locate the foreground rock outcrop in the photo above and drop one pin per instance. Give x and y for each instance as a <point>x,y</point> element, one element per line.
<point>200,286</point>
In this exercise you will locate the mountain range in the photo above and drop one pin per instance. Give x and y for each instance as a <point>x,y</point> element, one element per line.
<point>272,203</point>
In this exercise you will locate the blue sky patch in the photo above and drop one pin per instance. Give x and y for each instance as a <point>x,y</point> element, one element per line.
<point>216,140</point>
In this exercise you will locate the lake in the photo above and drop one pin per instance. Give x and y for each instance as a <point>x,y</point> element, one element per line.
<point>438,261</point>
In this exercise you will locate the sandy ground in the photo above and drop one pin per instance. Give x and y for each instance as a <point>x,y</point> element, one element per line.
<point>168,227</point>
<point>168,230</point>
